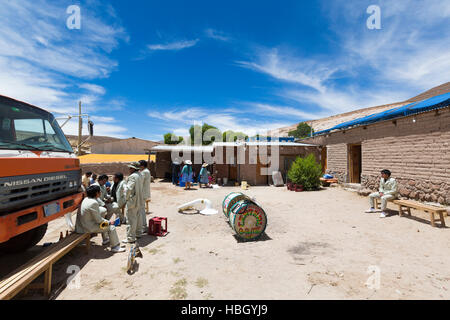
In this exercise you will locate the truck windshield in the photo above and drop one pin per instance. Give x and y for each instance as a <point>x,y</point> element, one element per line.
<point>23,127</point>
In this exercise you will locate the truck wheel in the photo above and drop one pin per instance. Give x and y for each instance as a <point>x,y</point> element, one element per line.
<point>24,241</point>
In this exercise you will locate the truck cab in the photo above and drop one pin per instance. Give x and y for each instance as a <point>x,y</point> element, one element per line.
<point>40,176</point>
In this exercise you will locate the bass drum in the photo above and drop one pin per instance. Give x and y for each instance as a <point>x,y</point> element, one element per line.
<point>230,200</point>
<point>248,220</point>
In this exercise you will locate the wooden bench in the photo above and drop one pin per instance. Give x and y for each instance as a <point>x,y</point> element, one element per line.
<point>22,277</point>
<point>405,206</point>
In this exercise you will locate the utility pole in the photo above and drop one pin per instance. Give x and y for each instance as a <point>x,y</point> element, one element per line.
<point>80,129</point>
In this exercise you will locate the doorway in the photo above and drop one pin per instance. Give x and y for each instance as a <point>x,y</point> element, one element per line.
<point>323,159</point>
<point>354,163</point>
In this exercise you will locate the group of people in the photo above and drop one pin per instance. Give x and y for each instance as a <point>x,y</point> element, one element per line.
<point>187,175</point>
<point>125,198</point>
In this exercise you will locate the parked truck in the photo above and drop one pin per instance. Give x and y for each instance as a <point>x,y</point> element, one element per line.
<point>40,176</point>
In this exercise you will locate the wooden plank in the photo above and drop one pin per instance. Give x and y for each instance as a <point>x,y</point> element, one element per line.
<point>419,206</point>
<point>33,263</point>
<point>48,280</point>
<point>432,218</point>
<point>441,216</point>
<point>16,283</point>
<point>400,210</point>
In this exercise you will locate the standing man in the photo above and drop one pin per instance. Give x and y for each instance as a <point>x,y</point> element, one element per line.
<point>133,190</point>
<point>118,196</point>
<point>89,220</point>
<point>147,178</point>
<point>388,191</point>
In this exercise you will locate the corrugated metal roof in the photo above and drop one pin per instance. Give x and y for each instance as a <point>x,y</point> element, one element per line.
<point>210,148</point>
<point>184,148</point>
<point>433,103</point>
<point>281,144</point>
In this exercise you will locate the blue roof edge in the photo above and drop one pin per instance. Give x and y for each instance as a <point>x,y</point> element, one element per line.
<point>433,103</point>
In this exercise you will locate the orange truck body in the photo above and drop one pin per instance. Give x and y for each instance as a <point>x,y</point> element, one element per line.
<point>10,224</point>
<point>37,184</point>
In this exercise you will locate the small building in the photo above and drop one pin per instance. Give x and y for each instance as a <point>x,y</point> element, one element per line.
<point>124,146</point>
<point>412,141</point>
<point>233,162</point>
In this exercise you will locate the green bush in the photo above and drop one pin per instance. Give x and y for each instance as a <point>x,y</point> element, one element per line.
<point>306,172</point>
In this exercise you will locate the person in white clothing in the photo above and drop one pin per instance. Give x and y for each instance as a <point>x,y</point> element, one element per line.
<point>133,191</point>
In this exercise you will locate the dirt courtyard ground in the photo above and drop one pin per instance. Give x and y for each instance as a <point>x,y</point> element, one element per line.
<point>318,245</point>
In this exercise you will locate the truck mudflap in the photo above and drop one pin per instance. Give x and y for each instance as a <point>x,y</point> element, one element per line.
<point>22,221</point>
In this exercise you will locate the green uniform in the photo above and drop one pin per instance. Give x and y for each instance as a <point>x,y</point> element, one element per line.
<point>146,179</point>
<point>89,220</point>
<point>134,201</point>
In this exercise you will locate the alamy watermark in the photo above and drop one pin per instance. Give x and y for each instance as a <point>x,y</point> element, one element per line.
<point>374,20</point>
<point>74,19</point>
<point>210,147</point>
<point>74,280</point>
<point>374,280</point>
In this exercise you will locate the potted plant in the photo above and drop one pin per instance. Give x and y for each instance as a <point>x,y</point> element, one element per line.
<point>305,173</point>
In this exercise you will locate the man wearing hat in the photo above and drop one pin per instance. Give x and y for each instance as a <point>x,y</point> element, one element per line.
<point>89,220</point>
<point>133,192</point>
<point>186,174</point>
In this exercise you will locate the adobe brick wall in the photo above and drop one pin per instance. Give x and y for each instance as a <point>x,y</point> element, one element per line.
<point>418,154</point>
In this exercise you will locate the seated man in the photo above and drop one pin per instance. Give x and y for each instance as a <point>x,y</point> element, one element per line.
<point>89,219</point>
<point>388,191</point>
<point>104,201</point>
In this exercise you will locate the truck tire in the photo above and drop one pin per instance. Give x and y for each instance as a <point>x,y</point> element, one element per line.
<point>24,241</point>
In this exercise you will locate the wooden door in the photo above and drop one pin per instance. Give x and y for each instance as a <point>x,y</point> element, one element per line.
<point>233,173</point>
<point>355,163</point>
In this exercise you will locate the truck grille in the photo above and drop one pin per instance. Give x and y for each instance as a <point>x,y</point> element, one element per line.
<point>21,192</point>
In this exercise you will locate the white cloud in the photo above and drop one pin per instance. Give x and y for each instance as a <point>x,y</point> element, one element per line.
<point>283,111</point>
<point>224,120</point>
<point>217,35</point>
<point>177,45</point>
<point>305,72</point>
<point>100,129</point>
<point>371,67</point>
<point>93,88</point>
<point>45,64</point>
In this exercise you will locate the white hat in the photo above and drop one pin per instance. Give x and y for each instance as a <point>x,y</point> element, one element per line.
<point>188,162</point>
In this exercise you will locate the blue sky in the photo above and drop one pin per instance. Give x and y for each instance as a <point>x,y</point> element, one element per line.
<point>144,68</point>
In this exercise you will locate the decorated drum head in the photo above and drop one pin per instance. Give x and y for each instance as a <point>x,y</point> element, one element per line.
<point>248,219</point>
<point>230,200</point>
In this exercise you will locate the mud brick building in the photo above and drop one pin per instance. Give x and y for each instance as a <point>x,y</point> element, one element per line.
<point>413,141</point>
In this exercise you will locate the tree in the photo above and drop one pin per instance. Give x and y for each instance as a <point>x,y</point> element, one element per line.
<point>303,130</point>
<point>206,134</point>
<point>306,172</point>
<point>232,136</point>
<point>170,138</point>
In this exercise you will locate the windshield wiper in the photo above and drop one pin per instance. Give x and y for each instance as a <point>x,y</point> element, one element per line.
<point>19,144</point>
<point>54,147</point>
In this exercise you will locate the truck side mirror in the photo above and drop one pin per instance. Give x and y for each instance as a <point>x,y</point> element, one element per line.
<point>91,128</point>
